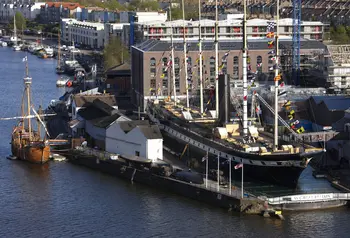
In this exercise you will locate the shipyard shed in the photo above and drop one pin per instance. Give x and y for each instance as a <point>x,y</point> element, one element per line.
<point>327,110</point>
<point>137,138</point>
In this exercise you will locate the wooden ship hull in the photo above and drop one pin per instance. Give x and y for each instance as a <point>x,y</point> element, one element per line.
<point>34,151</point>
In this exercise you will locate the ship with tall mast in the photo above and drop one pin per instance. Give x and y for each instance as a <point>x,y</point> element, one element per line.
<point>264,156</point>
<point>16,47</point>
<point>59,68</point>
<point>26,143</point>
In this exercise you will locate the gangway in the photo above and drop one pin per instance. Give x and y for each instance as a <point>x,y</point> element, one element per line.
<point>310,201</point>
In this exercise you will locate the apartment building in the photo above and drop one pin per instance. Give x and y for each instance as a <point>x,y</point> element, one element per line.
<point>53,12</point>
<point>229,28</point>
<point>29,9</point>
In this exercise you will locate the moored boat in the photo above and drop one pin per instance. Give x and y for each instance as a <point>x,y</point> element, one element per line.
<point>26,143</point>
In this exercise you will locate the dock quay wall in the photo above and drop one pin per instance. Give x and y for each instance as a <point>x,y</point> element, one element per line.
<point>189,190</point>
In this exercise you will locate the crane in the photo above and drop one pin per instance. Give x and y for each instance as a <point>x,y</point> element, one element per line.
<point>296,41</point>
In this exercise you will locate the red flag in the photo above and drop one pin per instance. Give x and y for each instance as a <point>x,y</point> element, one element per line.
<point>245,98</point>
<point>282,84</point>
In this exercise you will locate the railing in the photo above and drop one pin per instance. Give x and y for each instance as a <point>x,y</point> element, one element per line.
<point>309,198</point>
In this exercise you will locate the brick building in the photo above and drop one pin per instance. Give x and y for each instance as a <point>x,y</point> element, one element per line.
<point>151,75</point>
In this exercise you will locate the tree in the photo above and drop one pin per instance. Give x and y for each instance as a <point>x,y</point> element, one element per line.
<point>20,21</point>
<point>115,53</point>
<point>144,5</point>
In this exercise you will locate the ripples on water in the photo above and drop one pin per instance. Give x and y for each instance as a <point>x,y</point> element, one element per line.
<point>63,200</point>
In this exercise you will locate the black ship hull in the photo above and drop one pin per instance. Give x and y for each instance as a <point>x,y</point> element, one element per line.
<point>287,176</point>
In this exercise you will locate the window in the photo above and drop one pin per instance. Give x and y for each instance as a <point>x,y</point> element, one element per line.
<point>165,61</point>
<point>212,70</point>
<point>153,84</point>
<point>259,63</point>
<point>235,60</point>
<point>137,153</point>
<point>153,62</point>
<point>286,29</point>
<point>153,72</point>
<point>177,61</point>
<point>235,71</point>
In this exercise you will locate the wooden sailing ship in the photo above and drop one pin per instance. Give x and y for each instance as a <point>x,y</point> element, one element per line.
<point>26,143</point>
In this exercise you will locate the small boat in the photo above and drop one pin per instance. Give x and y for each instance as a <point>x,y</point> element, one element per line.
<point>62,81</point>
<point>11,157</point>
<point>17,48</point>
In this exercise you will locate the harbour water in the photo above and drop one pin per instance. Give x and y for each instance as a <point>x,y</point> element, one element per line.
<point>64,200</point>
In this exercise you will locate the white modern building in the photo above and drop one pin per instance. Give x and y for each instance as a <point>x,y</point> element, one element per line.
<point>142,17</point>
<point>93,34</point>
<point>228,29</point>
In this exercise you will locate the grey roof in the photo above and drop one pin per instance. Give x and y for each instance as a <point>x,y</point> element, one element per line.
<point>82,100</point>
<point>151,132</point>
<point>153,45</point>
<point>119,70</point>
<point>104,122</point>
<point>129,125</point>
<point>333,103</point>
<point>96,109</point>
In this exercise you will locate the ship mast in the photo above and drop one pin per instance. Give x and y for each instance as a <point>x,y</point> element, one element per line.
<point>216,60</point>
<point>27,83</point>
<point>276,76</point>
<point>244,58</point>
<point>185,52</point>
<point>14,29</point>
<point>200,58</point>
<point>59,50</point>
<point>172,58</point>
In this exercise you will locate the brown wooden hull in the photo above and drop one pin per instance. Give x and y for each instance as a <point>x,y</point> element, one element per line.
<point>35,152</point>
<point>32,153</point>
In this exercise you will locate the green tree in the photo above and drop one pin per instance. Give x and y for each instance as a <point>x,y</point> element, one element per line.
<point>115,53</point>
<point>176,13</point>
<point>20,21</point>
<point>144,5</point>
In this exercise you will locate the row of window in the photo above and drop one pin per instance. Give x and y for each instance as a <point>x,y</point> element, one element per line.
<point>153,62</point>
<point>261,29</point>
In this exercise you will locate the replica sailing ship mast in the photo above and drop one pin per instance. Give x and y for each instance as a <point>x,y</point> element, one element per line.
<point>27,83</point>
<point>244,58</point>
<point>216,60</point>
<point>172,59</point>
<point>200,59</point>
<point>276,77</point>
<point>185,52</point>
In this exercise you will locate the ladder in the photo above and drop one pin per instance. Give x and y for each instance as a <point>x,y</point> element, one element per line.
<point>280,118</point>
